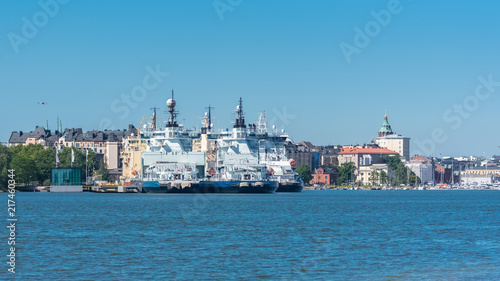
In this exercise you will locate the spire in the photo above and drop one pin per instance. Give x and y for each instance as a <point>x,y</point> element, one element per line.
<point>386,127</point>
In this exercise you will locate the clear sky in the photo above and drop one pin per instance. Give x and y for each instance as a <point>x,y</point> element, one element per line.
<point>326,71</point>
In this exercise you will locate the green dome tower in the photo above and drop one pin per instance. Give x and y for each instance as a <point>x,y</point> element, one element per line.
<point>386,128</point>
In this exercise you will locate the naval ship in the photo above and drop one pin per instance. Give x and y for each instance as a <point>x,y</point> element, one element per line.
<point>272,153</point>
<point>171,165</point>
<point>237,167</point>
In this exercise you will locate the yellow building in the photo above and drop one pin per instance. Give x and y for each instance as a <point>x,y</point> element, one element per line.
<point>481,171</point>
<point>131,156</point>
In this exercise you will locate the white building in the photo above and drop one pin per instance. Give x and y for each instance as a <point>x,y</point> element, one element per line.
<point>423,171</point>
<point>365,173</point>
<point>476,179</point>
<point>392,141</point>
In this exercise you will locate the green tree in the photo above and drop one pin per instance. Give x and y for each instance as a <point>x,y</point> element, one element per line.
<point>79,162</point>
<point>45,160</point>
<point>374,178</point>
<point>334,167</point>
<point>383,177</point>
<point>104,173</point>
<point>305,173</point>
<point>414,180</point>
<point>24,166</point>
<point>400,170</point>
<point>5,158</point>
<point>33,163</point>
<point>347,173</point>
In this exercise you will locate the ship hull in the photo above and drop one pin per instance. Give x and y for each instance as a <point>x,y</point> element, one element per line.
<point>290,187</point>
<point>238,186</point>
<point>211,187</point>
<point>153,187</point>
<point>170,187</point>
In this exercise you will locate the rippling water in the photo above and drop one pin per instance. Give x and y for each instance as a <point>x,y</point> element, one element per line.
<point>340,235</point>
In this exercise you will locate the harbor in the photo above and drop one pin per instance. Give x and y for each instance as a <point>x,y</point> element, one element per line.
<point>250,140</point>
<point>249,158</point>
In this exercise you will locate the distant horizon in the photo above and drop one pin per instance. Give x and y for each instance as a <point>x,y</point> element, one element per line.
<point>325,72</point>
<point>147,118</point>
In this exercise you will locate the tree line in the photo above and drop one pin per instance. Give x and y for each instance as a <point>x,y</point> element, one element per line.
<point>398,173</point>
<point>33,163</point>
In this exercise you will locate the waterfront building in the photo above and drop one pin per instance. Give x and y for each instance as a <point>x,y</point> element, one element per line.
<point>328,155</point>
<point>367,160</point>
<point>420,160</point>
<point>300,152</point>
<point>105,144</point>
<point>483,170</point>
<point>329,159</point>
<point>476,180</point>
<point>364,155</point>
<point>365,173</point>
<point>392,141</point>
<point>324,176</point>
<point>423,171</point>
<point>66,180</point>
<point>423,168</point>
<point>40,135</point>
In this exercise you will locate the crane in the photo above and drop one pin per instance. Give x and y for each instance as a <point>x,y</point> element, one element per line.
<point>140,125</point>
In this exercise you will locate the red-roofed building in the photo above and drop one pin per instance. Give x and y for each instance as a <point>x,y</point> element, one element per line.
<point>420,160</point>
<point>368,159</point>
<point>324,176</point>
<point>364,156</point>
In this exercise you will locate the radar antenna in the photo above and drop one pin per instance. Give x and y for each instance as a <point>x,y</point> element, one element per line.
<point>172,120</point>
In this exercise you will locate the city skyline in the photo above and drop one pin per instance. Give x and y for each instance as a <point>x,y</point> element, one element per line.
<point>326,73</point>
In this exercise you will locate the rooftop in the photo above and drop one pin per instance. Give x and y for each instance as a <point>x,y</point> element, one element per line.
<point>367,150</point>
<point>385,129</point>
<point>393,136</point>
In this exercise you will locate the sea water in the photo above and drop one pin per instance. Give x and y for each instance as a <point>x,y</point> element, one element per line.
<point>312,235</point>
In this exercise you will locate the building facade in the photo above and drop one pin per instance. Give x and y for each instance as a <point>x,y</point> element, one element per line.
<point>367,159</point>
<point>107,143</point>
<point>392,141</point>
<point>299,152</point>
<point>324,176</point>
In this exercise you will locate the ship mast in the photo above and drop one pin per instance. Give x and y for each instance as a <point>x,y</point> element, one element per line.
<point>262,123</point>
<point>172,122</point>
<point>240,120</point>
<point>207,121</point>
<point>153,119</point>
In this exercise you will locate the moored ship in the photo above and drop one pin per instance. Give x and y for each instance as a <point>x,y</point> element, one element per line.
<point>171,165</point>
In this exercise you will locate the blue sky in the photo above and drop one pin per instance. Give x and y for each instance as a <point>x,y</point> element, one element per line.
<point>283,57</point>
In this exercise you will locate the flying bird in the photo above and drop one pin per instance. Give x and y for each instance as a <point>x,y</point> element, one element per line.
<point>42,102</point>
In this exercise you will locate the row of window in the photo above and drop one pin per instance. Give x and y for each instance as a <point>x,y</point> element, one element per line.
<point>88,144</point>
